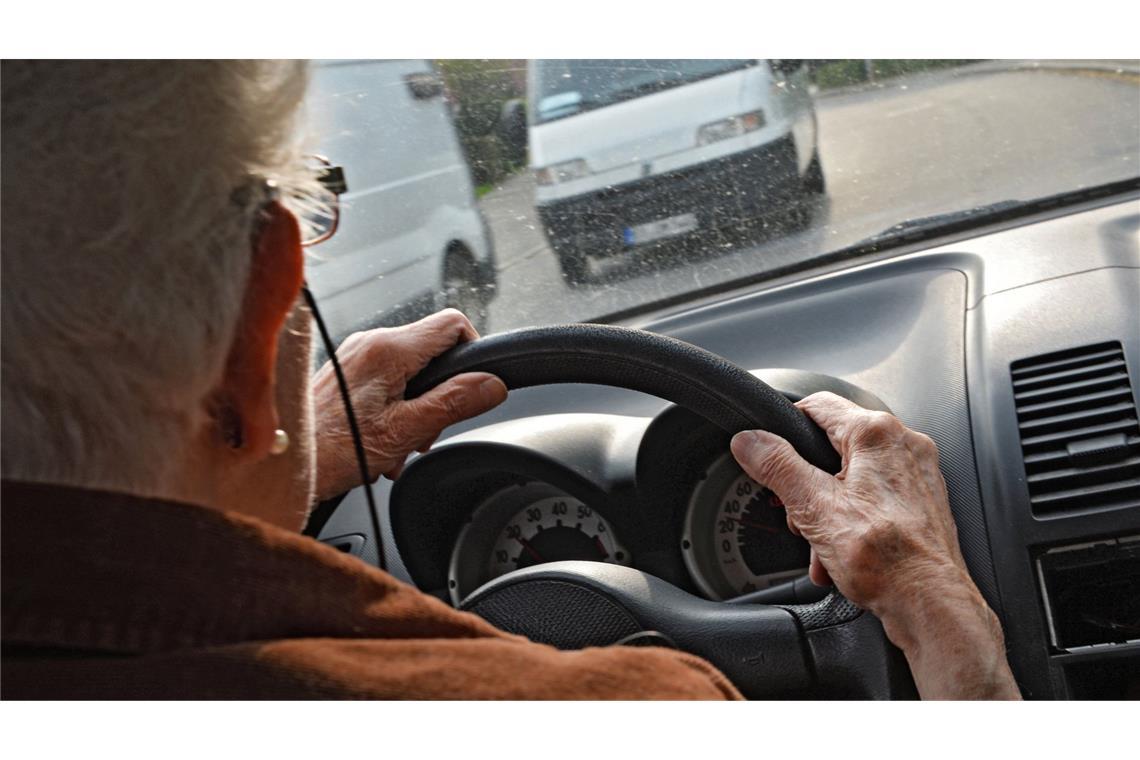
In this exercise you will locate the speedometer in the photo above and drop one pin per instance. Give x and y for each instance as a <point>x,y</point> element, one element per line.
<point>528,525</point>
<point>736,538</point>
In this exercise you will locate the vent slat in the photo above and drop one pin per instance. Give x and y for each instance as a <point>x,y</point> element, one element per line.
<point>1071,477</point>
<point>1091,431</point>
<point>1097,495</point>
<point>1073,361</point>
<point>1083,401</point>
<point>1061,376</point>
<point>1056,457</point>
<point>1084,417</point>
<point>1080,438</point>
<point>1115,380</point>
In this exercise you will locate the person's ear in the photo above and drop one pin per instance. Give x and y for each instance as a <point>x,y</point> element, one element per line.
<point>248,418</point>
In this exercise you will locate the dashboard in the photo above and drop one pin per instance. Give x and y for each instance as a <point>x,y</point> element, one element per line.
<point>660,494</point>
<point>956,340</point>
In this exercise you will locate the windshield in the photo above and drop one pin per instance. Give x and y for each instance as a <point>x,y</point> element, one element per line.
<point>565,87</point>
<point>551,191</point>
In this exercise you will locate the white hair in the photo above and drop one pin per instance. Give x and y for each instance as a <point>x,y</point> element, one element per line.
<point>126,252</point>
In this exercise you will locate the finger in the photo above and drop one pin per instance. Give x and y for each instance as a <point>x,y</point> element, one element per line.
<point>427,446</point>
<point>826,406</point>
<point>771,461</point>
<point>792,527</point>
<point>817,572</point>
<point>834,415</point>
<point>442,330</point>
<point>464,396</point>
<point>422,341</point>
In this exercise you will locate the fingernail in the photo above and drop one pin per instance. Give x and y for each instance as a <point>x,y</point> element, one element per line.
<point>752,442</point>
<point>744,442</point>
<point>492,391</point>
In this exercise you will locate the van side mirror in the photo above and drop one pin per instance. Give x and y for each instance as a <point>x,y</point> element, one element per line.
<point>425,85</point>
<point>512,130</point>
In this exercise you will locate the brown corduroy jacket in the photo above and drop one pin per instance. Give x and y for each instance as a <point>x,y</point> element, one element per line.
<point>111,596</point>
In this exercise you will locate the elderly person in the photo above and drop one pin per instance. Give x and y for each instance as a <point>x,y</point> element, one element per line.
<point>163,441</point>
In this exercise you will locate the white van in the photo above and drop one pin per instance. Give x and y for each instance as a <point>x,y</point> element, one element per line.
<point>411,238</point>
<point>627,153</point>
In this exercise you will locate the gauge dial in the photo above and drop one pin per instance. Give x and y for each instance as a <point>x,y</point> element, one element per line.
<point>736,538</point>
<point>528,525</point>
<point>552,529</point>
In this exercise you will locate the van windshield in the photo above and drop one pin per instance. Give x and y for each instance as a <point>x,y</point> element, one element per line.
<point>566,87</point>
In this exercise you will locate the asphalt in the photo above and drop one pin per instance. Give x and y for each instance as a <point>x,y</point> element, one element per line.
<point>902,149</point>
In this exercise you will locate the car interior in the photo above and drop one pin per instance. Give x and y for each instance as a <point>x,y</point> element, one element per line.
<point>664,253</point>
<point>599,503</point>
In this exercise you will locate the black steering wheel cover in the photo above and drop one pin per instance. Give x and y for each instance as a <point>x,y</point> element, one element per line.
<point>689,376</point>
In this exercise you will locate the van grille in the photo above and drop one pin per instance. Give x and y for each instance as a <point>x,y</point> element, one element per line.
<point>1078,424</point>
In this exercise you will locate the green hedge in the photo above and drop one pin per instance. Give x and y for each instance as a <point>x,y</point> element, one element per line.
<point>843,72</point>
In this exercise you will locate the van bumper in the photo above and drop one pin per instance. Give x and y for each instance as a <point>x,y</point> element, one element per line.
<point>729,191</point>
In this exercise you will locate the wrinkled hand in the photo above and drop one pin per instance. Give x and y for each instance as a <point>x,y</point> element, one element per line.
<point>883,522</point>
<point>882,530</point>
<point>378,365</point>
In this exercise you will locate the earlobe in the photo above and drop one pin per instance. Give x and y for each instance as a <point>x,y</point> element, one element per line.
<point>249,411</point>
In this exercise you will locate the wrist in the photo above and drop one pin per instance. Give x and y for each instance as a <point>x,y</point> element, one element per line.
<point>335,473</point>
<point>952,641</point>
<point>934,599</point>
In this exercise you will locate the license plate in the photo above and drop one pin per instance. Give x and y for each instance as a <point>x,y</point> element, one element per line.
<point>662,228</point>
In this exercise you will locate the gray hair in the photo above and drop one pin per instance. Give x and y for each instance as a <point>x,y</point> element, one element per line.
<point>126,252</point>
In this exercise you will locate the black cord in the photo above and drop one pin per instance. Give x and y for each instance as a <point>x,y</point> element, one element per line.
<point>317,521</point>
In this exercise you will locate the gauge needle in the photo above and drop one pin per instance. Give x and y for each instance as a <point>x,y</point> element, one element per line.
<point>758,526</point>
<point>530,550</point>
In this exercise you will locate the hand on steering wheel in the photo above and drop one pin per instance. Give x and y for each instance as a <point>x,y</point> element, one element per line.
<point>378,365</point>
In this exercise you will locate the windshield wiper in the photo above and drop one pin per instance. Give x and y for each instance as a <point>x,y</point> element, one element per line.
<point>924,224</point>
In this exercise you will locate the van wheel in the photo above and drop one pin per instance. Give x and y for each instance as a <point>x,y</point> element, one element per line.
<point>814,182</point>
<point>574,265</point>
<point>461,290</point>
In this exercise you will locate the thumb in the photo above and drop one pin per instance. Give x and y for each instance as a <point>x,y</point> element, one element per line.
<point>464,396</point>
<point>772,462</point>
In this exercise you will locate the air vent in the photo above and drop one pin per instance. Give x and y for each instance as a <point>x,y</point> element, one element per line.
<point>1079,436</point>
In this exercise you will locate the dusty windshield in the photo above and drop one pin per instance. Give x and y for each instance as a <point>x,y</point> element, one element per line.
<point>548,191</point>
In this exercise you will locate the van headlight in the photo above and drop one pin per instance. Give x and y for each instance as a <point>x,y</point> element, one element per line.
<point>733,126</point>
<point>563,172</point>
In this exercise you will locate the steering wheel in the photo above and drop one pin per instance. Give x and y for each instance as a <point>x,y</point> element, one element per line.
<point>830,648</point>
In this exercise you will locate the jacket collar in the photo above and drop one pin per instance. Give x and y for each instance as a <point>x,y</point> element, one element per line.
<point>118,573</point>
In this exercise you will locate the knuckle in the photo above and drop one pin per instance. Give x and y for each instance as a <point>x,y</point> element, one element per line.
<point>386,437</point>
<point>452,319</point>
<point>923,444</point>
<point>879,428</point>
<point>370,342</point>
<point>351,343</point>
<point>451,404</point>
<point>775,464</point>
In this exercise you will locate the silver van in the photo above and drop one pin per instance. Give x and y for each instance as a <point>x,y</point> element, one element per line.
<point>627,153</point>
<point>411,238</point>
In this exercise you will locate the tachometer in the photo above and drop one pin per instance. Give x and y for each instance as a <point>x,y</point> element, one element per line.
<point>528,525</point>
<point>736,539</point>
